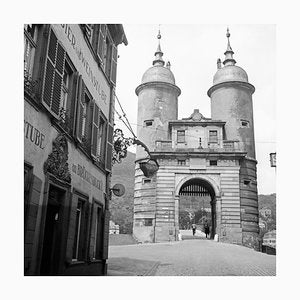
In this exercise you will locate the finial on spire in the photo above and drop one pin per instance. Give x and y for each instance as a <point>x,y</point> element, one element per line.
<point>229,60</point>
<point>158,54</point>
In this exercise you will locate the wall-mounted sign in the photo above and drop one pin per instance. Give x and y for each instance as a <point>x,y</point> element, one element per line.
<point>34,135</point>
<point>88,177</point>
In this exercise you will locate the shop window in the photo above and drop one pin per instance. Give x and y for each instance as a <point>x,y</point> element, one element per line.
<point>148,222</point>
<point>213,136</point>
<point>81,221</point>
<point>27,187</point>
<point>213,162</point>
<point>181,162</point>
<point>180,136</point>
<point>97,253</point>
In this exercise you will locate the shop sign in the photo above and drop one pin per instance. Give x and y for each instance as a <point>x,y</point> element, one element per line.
<point>88,177</point>
<point>34,135</point>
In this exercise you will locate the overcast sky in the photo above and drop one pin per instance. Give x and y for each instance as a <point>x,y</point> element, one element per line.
<point>193,51</point>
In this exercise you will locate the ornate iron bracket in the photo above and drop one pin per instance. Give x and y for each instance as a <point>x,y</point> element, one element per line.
<point>149,165</point>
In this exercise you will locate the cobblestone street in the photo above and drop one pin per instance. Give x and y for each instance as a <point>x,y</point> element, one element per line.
<point>189,258</point>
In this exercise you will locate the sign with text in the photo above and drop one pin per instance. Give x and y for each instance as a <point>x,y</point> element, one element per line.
<point>72,38</point>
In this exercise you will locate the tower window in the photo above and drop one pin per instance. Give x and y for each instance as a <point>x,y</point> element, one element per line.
<point>148,222</point>
<point>180,136</point>
<point>146,180</point>
<point>247,182</point>
<point>213,136</point>
<point>213,162</point>
<point>181,162</point>
<point>148,123</point>
<point>200,143</point>
<point>245,123</point>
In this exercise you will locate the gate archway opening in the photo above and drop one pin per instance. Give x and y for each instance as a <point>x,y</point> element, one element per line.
<point>197,205</point>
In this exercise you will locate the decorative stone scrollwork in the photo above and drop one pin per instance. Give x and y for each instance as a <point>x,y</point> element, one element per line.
<point>57,161</point>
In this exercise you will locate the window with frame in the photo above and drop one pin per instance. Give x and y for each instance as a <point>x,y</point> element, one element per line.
<point>66,102</point>
<point>213,136</point>
<point>245,123</point>
<point>30,37</point>
<point>148,222</point>
<point>54,73</point>
<point>180,136</point>
<point>148,123</point>
<point>146,180</point>
<point>213,162</point>
<point>181,162</point>
<point>97,251</point>
<point>98,135</point>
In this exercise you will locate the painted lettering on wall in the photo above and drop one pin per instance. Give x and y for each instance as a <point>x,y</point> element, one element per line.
<point>84,174</point>
<point>72,39</point>
<point>34,135</point>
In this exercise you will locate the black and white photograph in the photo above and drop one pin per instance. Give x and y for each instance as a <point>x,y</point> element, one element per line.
<point>190,197</point>
<point>148,140</point>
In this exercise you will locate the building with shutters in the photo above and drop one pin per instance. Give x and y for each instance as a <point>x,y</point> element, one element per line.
<point>207,166</point>
<point>69,88</point>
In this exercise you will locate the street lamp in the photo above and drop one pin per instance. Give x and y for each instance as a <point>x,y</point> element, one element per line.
<point>148,165</point>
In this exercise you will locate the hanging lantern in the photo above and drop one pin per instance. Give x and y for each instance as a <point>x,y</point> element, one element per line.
<point>149,167</point>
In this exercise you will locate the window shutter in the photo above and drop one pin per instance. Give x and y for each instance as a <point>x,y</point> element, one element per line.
<point>109,147</point>
<point>80,108</point>
<point>101,42</point>
<point>73,101</point>
<point>114,58</point>
<point>95,128</point>
<point>105,234</point>
<point>53,76</point>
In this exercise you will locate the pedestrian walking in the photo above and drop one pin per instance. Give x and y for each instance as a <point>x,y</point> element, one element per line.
<point>194,229</point>
<point>206,229</point>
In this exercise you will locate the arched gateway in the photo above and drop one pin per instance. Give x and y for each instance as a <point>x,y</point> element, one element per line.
<point>197,205</point>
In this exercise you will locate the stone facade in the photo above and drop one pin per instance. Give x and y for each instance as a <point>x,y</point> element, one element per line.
<point>68,104</point>
<point>206,158</point>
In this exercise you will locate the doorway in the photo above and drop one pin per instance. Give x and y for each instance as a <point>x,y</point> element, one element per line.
<point>52,240</point>
<point>197,206</point>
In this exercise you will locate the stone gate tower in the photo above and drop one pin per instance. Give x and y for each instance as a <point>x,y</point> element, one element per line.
<point>157,105</point>
<point>207,166</point>
<point>231,101</point>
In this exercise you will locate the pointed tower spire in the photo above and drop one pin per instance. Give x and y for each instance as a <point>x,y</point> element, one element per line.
<point>229,60</point>
<point>158,54</point>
